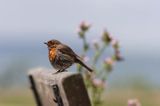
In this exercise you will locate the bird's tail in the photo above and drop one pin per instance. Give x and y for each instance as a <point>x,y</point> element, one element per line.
<point>84,65</point>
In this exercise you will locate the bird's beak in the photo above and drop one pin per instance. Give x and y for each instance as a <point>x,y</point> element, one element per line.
<point>45,43</point>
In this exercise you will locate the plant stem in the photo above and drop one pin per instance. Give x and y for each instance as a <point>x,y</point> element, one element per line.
<point>98,54</point>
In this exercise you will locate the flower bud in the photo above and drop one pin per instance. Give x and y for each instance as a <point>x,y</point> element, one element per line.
<point>117,55</point>
<point>85,58</point>
<point>109,61</point>
<point>84,26</point>
<point>106,37</point>
<point>108,64</point>
<point>98,83</point>
<point>133,102</point>
<point>115,44</point>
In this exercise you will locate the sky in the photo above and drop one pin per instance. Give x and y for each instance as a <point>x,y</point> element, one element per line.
<point>135,23</point>
<point>129,20</point>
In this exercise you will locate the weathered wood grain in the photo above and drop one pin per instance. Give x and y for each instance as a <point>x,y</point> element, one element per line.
<point>71,89</point>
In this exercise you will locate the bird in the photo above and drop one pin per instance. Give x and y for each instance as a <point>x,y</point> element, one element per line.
<point>62,56</point>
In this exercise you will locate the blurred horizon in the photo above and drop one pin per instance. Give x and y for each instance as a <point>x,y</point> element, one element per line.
<point>23,53</point>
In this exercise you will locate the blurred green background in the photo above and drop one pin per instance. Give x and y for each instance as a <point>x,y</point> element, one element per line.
<point>25,25</point>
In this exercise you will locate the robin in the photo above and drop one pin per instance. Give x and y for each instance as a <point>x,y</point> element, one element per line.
<point>62,56</point>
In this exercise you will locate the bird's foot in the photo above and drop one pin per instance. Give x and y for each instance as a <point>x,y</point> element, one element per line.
<point>59,71</point>
<point>56,72</point>
<point>64,70</point>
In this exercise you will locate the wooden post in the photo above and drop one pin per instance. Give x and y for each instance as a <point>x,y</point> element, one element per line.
<point>62,89</point>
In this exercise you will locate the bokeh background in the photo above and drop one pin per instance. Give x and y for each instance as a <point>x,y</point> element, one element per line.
<point>26,24</point>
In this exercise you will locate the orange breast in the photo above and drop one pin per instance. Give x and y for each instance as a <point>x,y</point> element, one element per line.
<point>52,54</point>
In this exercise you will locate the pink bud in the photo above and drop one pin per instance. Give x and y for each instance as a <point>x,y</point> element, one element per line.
<point>98,82</point>
<point>85,58</point>
<point>84,26</point>
<point>133,102</point>
<point>115,43</point>
<point>109,61</point>
<point>118,56</point>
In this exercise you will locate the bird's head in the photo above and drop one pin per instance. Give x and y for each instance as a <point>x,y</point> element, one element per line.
<point>52,43</point>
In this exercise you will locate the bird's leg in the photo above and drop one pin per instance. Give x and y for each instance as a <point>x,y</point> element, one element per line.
<point>57,71</point>
<point>60,70</point>
<point>63,70</point>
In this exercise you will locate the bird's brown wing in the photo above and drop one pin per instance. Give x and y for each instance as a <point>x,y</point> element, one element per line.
<point>66,50</point>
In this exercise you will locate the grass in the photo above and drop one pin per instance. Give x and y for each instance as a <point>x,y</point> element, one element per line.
<point>120,97</point>
<point>16,97</point>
